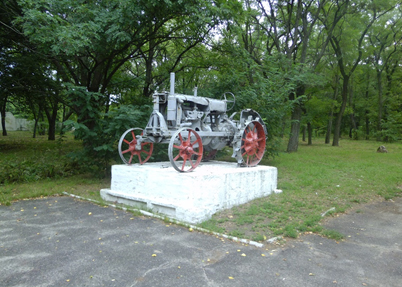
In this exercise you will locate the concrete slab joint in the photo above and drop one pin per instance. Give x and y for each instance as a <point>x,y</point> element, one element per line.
<point>190,197</point>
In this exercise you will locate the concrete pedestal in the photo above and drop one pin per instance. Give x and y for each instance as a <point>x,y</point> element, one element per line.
<point>190,197</point>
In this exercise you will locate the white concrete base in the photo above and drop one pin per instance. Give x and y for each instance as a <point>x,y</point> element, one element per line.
<point>190,197</point>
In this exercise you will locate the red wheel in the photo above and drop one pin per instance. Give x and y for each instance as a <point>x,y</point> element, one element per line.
<point>185,150</point>
<point>131,150</point>
<point>253,143</point>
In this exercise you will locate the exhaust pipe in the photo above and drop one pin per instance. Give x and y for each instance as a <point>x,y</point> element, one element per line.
<point>172,80</point>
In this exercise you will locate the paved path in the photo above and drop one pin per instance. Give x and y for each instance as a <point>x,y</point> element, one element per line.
<point>60,241</point>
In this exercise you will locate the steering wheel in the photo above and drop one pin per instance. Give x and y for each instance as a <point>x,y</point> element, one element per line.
<point>230,100</point>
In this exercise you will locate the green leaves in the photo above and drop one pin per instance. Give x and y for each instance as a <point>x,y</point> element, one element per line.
<point>100,142</point>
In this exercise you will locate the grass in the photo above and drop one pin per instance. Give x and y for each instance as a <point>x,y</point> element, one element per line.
<point>35,167</point>
<point>314,180</point>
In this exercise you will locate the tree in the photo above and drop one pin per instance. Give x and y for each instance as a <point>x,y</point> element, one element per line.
<point>385,40</point>
<point>89,41</point>
<point>291,30</point>
<point>357,22</point>
<point>8,39</point>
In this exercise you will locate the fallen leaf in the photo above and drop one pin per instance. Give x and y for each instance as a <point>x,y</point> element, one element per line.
<point>89,213</point>
<point>263,255</point>
<point>154,255</point>
<point>243,254</point>
<point>310,274</point>
<point>231,278</point>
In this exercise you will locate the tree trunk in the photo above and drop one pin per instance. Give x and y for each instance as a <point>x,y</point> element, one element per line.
<point>380,105</point>
<point>353,124</point>
<point>35,127</point>
<point>331,113</point>
<point>329,126</point>
<point>51,118</point>
<point>3,118</point>
<point>304,133</point>
<point>366,113</point>
<point>338,122</point>
<point>310,133</point>
<point>353,127</point>
<point>367,125</point>
<point>293,143</point>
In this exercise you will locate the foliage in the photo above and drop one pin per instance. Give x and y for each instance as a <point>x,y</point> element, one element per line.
<point>100,143</point>
<point>18,164</point>
<point>392,128</point>
<point>29,171</point>
<point>284,60</point>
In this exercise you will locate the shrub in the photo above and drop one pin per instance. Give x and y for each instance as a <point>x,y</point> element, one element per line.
<point>100,143</point>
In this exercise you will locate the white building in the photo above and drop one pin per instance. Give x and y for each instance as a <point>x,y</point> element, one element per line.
<point>14,124</point>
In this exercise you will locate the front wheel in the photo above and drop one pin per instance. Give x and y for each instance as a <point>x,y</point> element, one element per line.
<point>185,150</point>
<point>253,143</point>
<point>131,150</point>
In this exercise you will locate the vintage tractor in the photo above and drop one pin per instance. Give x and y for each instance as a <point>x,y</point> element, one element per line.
<point>195,129</point>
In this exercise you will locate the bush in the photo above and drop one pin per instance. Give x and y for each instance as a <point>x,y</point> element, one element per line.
<point>100,143</point>
<point>29,171</point>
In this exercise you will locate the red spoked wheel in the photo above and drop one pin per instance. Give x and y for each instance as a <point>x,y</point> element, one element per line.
<point>131,150</point>
<point>253,143</point>
<point>185,150</point>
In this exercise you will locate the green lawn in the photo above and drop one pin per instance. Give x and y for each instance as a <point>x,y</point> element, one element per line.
<point>314,180</point>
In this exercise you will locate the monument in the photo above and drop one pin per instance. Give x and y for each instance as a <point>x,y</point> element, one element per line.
<point>194,128</point>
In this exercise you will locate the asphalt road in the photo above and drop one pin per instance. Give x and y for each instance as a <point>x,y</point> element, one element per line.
<point>60,241</point>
